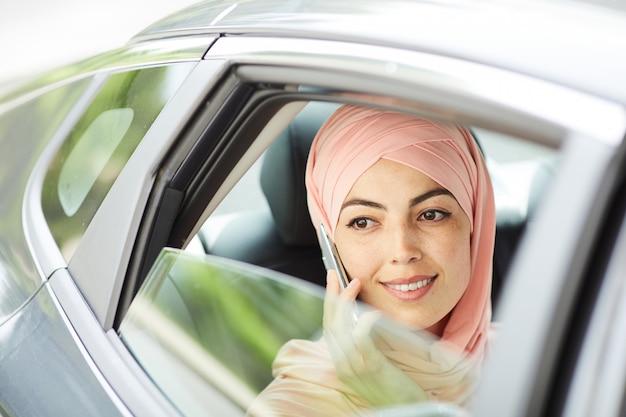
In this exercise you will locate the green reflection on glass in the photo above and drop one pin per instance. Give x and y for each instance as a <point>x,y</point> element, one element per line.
<point>99,146</point>
<point>202,323</point>
<point>100,139</point>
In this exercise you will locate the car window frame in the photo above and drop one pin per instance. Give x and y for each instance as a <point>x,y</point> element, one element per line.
<point>97,272</point>
<point>596,345</point>
<point>335,83</point>
<point>252,68</point>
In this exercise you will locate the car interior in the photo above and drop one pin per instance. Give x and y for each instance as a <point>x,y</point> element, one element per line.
<point>280,236</point>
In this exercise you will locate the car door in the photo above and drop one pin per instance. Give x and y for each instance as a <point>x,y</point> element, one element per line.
<point>59,347</point>
<point>272,79</point>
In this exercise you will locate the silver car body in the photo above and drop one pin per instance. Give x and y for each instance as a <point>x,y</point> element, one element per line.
<point>548,71</point>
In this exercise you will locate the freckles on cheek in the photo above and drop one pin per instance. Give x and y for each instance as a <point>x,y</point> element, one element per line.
<point>353,264</point>
<point>456,254</point>
<point>462,264</point>
<point>357,261</point>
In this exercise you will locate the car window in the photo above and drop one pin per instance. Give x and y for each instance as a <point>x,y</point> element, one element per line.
<point>209,321</point>
<point>97,148</point>
<point>207,329</point>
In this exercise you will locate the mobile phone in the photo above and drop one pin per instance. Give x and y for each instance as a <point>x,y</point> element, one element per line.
<point>331,259</point>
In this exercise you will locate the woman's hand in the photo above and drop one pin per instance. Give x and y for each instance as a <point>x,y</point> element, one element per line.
<point>359,363</point>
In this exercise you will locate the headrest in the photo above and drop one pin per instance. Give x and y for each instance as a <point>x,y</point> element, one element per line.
<point>282,175</point>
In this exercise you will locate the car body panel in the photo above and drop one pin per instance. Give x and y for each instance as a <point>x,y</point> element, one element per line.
<point>25,135</point>
<point>28,340</point>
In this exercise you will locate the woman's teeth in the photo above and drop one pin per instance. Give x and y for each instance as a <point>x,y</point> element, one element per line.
<point>412,286</point>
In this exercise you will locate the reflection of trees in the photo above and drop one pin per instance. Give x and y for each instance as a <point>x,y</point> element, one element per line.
<point>145,92</point>
<point>244,318</point>
<point>241,317</point>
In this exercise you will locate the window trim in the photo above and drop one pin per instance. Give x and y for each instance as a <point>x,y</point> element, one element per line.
<point>97,272</point>
<point>596,348</point>
<point>496,90</point>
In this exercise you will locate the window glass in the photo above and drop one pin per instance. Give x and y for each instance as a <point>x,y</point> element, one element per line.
<point>207,329</point>
<point>97,148</point>
<point>79,174</point>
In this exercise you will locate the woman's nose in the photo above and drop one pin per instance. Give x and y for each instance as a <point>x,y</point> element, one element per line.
<point>404,245</point>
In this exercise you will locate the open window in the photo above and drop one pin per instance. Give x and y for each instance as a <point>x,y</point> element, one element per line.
<point>264,219</point>
<point>209,320</point>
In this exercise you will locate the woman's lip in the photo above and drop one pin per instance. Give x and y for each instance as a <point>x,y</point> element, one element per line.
<point>408,281</point>
<point>410,289</point>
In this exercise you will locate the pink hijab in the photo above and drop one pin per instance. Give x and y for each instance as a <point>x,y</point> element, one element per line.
<point>354,138</point>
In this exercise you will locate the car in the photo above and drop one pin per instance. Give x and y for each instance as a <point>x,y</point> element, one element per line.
<point>155,248</point>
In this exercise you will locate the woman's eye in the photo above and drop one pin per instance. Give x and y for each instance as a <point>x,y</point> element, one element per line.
<point>433,215</point>
<point>360,223</point>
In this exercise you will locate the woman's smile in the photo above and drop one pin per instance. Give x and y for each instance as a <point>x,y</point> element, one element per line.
<point>410,284</point>
<point>410,289</point>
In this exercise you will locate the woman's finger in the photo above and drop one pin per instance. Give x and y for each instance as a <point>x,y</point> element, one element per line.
<point>336,297</point>
<point>351,292</point>
<point>330,300</point>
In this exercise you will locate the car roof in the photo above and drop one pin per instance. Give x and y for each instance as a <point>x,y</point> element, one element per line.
<point>576,44</point>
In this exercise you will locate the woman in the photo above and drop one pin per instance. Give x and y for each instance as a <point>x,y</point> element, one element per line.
<point>410,206</point>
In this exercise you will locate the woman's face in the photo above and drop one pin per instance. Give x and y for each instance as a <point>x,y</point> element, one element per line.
<point>408,241</point>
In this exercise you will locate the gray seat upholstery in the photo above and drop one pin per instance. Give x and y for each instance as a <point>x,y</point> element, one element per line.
<point>283,238</point>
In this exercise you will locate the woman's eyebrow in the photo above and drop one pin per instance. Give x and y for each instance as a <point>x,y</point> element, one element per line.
<point>429,194</point>
<point>361,202</point>
<point>415,201</point>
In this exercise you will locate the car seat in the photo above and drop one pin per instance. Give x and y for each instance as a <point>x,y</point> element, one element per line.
<point>282,237</point>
